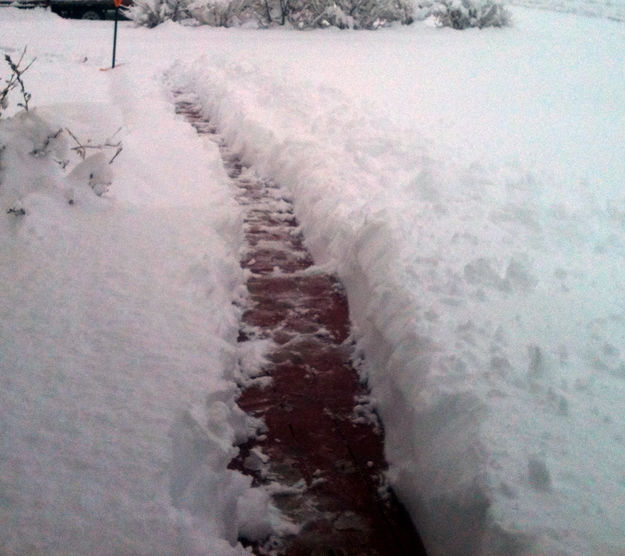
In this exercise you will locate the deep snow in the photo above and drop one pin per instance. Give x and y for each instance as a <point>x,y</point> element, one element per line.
<point>467,186</point>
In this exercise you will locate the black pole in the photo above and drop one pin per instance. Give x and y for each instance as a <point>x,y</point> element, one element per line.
<point>115,36</point>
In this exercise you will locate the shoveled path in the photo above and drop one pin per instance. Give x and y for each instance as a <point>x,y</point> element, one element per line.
<point>322,452</point>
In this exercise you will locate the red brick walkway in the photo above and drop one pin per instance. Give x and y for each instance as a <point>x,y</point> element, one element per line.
<point>320,440</point>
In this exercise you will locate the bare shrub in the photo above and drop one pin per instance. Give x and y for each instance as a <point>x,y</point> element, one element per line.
<point>15,81</point>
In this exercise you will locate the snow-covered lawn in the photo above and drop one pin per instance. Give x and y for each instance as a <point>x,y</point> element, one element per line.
<point>468,188</point>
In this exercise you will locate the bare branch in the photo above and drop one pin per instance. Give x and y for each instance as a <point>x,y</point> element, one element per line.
<point>81,149</point>
<point>14,80</point>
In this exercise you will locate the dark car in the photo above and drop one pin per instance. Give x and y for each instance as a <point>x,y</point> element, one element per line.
<point>78,9</point>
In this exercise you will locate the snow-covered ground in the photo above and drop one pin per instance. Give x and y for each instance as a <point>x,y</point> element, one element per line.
<point>609,9</point>
<point>467,187</point>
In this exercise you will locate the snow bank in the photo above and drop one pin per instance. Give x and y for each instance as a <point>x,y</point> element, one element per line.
<point>117,330</point>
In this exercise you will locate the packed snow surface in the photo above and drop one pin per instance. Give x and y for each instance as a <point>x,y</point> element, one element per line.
<point>467,187</point>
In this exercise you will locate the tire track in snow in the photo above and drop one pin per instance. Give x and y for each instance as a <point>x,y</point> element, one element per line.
<point>321,455</point>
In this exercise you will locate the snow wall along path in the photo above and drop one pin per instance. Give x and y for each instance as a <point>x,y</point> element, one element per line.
<point>423,439</point>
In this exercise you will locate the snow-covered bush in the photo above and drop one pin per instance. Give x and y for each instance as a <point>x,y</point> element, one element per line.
<point>151,13</point>
<point>346,14</point>
<point>300,14</point>
<point>34,162</point>
<point>320,13</point>
<point>462,14</point>
<point>223,13</point>
<point>28,159</point>
<point>371,14</point>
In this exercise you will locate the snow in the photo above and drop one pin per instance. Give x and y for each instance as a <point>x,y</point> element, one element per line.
<point>611,9</point>
<point>466,186</point>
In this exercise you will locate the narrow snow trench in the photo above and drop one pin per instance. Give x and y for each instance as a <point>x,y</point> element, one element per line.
<point>321,454</point>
